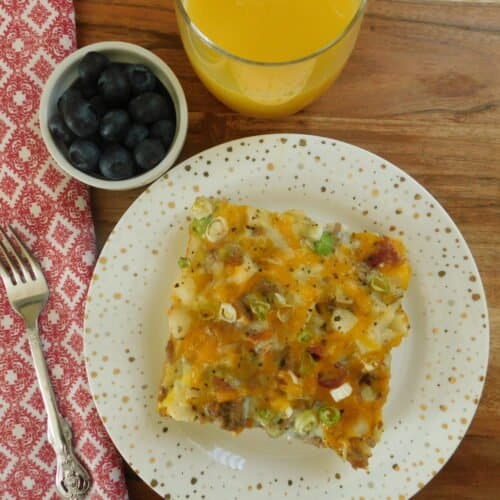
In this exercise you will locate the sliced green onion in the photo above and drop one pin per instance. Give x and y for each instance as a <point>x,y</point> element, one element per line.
<point>304,336</point>
<point>305,422</point>
<point>307,364</point>
<point>227,313</point>
<point>325,245</point>
<point>264,414</point>
<point>379,283</point>
<point>202,207</point>
<point>183,262</point>
<point>259,307</point>
<point>199,226</point>
<point>329,415</point>
<point>274,430</point>
<point>216,229</point>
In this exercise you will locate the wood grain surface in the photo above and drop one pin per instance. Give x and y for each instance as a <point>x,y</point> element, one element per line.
<point>421,89</point>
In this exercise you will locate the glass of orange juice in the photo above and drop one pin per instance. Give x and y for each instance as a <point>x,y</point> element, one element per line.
<point>268,58</point>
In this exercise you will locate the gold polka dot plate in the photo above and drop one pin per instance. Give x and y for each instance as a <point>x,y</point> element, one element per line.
<point>437,373</point>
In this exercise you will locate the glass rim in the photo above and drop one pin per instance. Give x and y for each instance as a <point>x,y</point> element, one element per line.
<point>321,50</point>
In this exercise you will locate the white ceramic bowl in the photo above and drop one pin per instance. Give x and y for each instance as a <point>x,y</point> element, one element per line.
<point>66,73</point>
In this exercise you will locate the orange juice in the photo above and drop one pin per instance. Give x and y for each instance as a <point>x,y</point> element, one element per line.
<point>268,57</point>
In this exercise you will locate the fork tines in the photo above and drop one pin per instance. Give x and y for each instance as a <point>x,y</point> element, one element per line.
<point>16,262</point>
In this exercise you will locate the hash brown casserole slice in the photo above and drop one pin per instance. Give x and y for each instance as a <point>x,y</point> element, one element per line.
<point>280,323</point>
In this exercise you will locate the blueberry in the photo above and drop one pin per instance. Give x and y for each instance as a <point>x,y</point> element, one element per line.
<point>160,88</point>
<point>136,134</point>
<point>69,94</point>
<point>99,105</point>
<point>150,107</point>
<point>141,79</point>
<point>84,155</point>
<point>91,66</point>
<point>116,163</point>
<point>88,91</point>
<point>113,85</point>
<point>114,125</point>
<point>163,130</point>
<point>97,139</point>
<point>60,130</point>
<point>64,150</point>
<point>79,116</point>
<point>149,153</point>
<point>120,66</point>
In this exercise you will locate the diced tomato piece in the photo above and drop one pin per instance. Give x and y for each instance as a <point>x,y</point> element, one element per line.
<point>331,382</point>
<point>316,352</point>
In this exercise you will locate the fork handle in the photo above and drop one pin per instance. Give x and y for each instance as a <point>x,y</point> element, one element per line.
<point>72,480</point>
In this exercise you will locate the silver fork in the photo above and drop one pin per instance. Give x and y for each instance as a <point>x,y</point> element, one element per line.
<point>28,292</point>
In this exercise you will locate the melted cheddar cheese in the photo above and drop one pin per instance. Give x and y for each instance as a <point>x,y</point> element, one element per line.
<point>280,323</point>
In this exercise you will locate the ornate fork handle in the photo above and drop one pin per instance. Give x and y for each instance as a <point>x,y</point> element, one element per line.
<point>72,480</point>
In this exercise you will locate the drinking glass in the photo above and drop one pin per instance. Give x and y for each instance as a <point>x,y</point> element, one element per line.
<point>266,89</point>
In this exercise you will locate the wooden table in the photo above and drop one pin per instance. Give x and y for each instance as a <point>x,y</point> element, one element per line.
<point>422,89</point>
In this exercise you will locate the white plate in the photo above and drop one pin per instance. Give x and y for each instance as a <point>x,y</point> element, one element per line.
<point>438,371</point>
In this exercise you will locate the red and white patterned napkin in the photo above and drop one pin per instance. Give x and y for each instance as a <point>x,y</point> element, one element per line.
<point>51,213</point>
